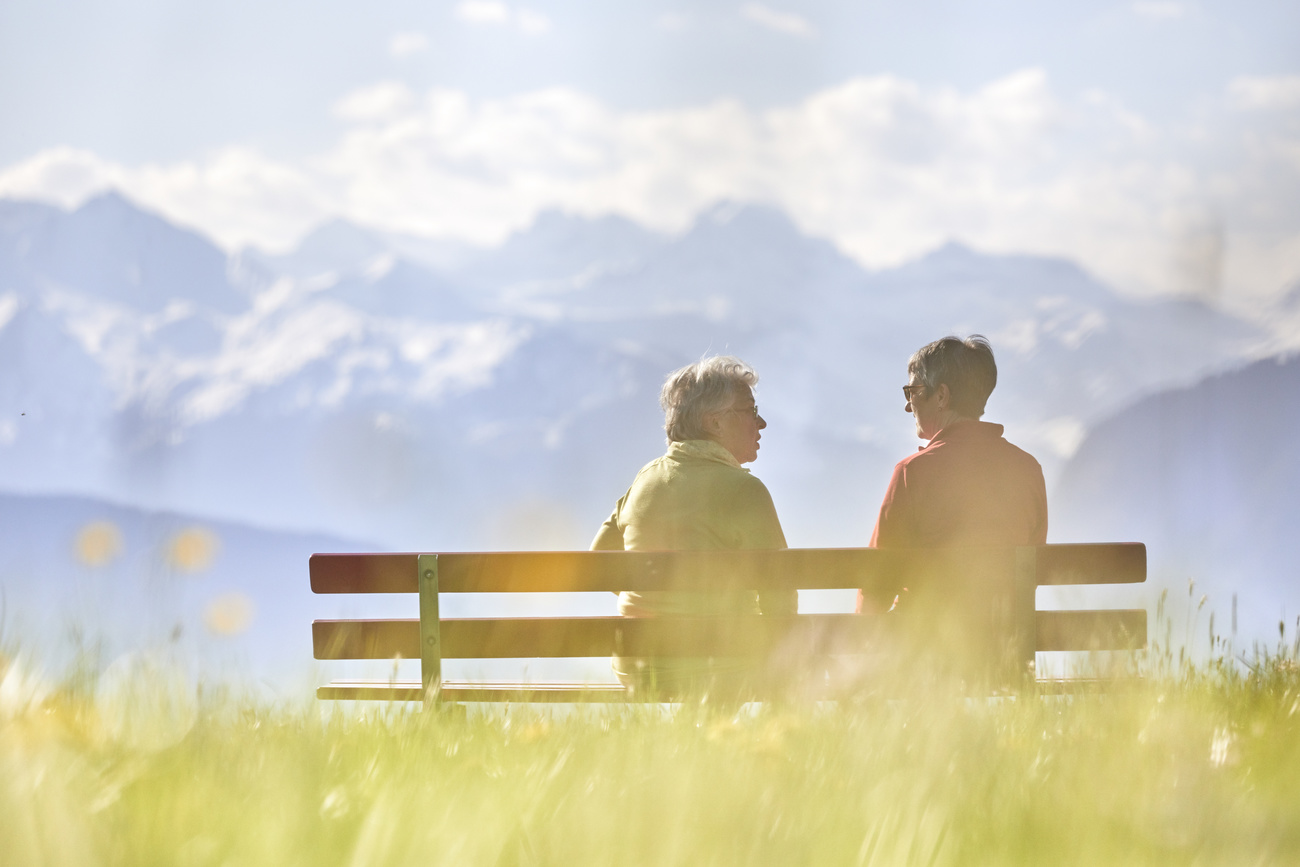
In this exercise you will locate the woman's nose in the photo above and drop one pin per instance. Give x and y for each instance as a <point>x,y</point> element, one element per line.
<point>762,422</point>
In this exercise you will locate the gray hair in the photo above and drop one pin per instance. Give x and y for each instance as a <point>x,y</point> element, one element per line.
<point>965,366</point>
<point>696,390</point>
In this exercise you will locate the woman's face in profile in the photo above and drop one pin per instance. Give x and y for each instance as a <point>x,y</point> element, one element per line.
<point>737,428</point>
<point>924,407</point>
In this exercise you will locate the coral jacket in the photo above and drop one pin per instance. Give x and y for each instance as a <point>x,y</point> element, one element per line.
<point>966,487</point>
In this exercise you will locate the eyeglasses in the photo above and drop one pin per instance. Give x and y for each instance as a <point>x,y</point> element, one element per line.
<point>911,391</point>
<point>745,409</point>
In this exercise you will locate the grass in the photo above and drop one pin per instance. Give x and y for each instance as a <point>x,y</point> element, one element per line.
<point>1197,766</point>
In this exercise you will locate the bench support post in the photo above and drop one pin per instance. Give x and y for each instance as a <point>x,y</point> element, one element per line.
<point>1024,613</point>
<point>430,631</point>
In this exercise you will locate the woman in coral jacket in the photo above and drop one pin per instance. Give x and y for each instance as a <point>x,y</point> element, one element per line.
<point>966,486</point>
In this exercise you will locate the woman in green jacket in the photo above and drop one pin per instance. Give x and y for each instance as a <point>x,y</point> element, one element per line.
<point>698,497</point>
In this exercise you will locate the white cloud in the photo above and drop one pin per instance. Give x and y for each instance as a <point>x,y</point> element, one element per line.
<point>1160,10</point>
<point>405,44</point>
<point>378,102</point>
<point>483,12</point>
<point>781,22</point>
<point>492,12</point>
<point>62,176</point>
<point>531,22</point>
<point>236,196</point>
<point>673,21</point>
<point>885,167</point>
<point>1276,93</point>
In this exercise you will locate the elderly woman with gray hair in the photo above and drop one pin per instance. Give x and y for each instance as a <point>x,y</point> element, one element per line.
<point>967,486</point>
<point>698,497</point>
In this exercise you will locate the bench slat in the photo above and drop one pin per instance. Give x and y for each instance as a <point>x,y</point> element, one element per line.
<point>568,637</point>
<point>363,573</point>
<point>572,637</point>
<point>801,568</point>
<point>1084,685</point>
<point>1114,629</point>
<point>607,571</point>
<point>382,690</point>
<point>1092,563</point>
<point>455,691</point>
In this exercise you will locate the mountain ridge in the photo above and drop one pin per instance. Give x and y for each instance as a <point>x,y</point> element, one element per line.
<point>370,397</point>
<point>1207,476</point>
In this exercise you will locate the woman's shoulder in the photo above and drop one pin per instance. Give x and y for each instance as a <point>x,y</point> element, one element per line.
<point>741,482</point>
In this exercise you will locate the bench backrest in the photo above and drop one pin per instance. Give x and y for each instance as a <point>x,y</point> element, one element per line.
<point>1006,577</point>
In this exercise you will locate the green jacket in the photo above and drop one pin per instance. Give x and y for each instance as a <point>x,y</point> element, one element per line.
<point>696,497</point>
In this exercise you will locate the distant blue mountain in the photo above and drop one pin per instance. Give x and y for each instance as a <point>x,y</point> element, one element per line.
<point>83,575</point>
<point>111,250</point>
<point>1209,477</point>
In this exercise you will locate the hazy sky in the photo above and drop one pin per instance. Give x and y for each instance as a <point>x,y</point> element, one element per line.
<point>1156,141</point>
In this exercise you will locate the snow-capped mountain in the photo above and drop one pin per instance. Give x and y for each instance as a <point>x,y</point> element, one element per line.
<point>457,398</point>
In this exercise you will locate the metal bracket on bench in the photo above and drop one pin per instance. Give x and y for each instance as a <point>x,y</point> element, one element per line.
<point>430,631</point>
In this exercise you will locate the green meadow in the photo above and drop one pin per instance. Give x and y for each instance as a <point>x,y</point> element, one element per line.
<point>1199,764</point>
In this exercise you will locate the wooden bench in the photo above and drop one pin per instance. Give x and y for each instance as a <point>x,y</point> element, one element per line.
<point>995,587</point>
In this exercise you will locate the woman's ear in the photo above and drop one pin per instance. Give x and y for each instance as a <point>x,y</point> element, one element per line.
<point>713,423</point>
<point>944,396</point>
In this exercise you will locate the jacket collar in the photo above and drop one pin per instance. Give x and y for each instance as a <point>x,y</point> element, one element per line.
<point>965,429</point>
<point>706,450</point>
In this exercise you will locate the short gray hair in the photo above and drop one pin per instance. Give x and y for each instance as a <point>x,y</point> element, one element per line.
<point>965,366</point>
<point>696,390</point>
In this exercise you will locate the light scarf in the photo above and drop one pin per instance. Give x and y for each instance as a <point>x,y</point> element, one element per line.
<point>705,450</point>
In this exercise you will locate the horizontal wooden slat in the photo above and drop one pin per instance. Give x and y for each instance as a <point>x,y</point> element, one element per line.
<point>363,690</point>
<point>1084,685</point>
<point>1123,629</point>
<point>799,568</point>
<point>1101,563</point>
<point>613,571</point>
<point>366,639</point>
<point>457,691</point>
<point>363,573</point>
<point>556,637</point>
<point>371,690</point>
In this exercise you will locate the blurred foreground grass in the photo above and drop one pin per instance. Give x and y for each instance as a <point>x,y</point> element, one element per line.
<point>1200,765</point>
